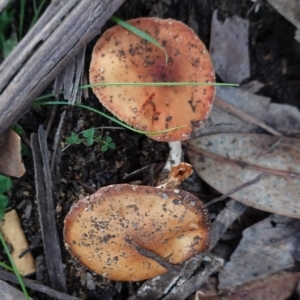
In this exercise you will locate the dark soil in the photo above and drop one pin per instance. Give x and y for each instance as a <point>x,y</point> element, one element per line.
<point>275,61</point>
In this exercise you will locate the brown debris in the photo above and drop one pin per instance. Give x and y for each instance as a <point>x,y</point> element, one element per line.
<point>10,154</point>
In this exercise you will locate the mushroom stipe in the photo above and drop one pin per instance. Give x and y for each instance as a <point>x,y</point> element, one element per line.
<point>107,230</point>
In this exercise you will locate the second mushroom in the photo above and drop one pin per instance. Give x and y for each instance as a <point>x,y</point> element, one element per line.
<point>105,230</point>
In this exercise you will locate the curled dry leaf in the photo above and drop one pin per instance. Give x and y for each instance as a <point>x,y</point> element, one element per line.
<point>176,176</point>
<point>266,247</point>
<point>226,161</point>
<point>10,154</point>
<point>101,231</point>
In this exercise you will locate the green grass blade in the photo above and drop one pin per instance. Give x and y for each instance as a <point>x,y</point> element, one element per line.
<point>22,14</point>
<point>158,84</point>
<point>37,13</point>
<point>7,267</point>
<point>141,34</point>
<point>143,84</point>
<point>38,103</point>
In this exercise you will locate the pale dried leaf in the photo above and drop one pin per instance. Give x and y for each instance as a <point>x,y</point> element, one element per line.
<point>229,48</point>
<point>10,154</point>
<point>285,118</point>
<point>221,121</point>
<point>266,247</point>
<point>8,292</point>
<point>226,161</point>
<point>14,235</point>
<point>277,286</point>
<point>290,9</point>
<point>253,86</point>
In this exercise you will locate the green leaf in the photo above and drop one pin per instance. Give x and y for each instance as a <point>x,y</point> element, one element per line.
<point>104,148</point>
<point>88,133</point>
<point>24,149</point>
<point>73,139</point>
<point>18,129</point>
<point>108,139</point>
<point>90,141</point>
<point>141,34</point>
<point>112,145</point>
<point>3,205</point>
<point>5,183</point>
<point>6,19</point>
<point>98,139</point>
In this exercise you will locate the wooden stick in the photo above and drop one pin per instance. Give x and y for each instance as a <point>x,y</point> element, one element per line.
<point>60,40</point>
<point>37,286</point>
<point>43,183</point>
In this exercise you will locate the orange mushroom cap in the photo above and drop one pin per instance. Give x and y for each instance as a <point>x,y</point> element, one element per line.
<point>121,56</point>
<point>173,224</point>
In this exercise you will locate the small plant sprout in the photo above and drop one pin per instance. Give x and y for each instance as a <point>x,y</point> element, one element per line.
<point>88,137</point>
<point>107,143</point>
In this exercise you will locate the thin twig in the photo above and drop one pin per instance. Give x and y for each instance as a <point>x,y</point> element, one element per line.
<point>57,139</point>
<point>137,172</point>
<point>160,260</point>
<point>37,286</point>
<point>244,116</point>
<point>51,119</point>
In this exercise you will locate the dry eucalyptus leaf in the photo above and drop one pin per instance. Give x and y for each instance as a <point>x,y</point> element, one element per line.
<point>226,161</point>
<point>253,86</point>
<point>266,247</point>
<point>285,118</point>
<point>277,286</point>
<point>229,48</point>
<point>8,292</point>
<point>10,154</point>
<point>290,9</point>
<point>221,121</point>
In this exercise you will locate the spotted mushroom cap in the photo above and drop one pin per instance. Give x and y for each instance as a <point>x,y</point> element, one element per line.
<point>121,56</point>
<point>101,230</point>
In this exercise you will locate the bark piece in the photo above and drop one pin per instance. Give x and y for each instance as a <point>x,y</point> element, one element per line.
<point>47,210</point>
